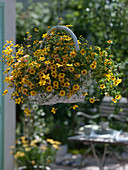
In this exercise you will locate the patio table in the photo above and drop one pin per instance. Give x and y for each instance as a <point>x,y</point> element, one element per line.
<point>115,138</point>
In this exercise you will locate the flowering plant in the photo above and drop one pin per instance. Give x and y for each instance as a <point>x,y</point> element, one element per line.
<point>57,69</point>
<point>31,155</point>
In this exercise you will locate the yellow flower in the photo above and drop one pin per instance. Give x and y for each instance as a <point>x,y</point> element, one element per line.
<point>19,154</point>
<point>109,41</point>
<point>50,140</point>
<point>93,66</point>
<point>55,146</point>
<point>118,97</point>
<point>43,148</point>
<point>92,100</point>
<point>35,29</point>
<point>76,87</point>
<point>102,86</point>
<point>25,145</point>
<point>32,86</point>
<point>61,79</point>
<point>74,107</point>
<point>27,149</point>
<point>42,82</point>
<point>44,35</point>
<point>94,62</point>
<point>69,65</point>
<point>114,100</point>
<point>116,82</point>
<point>27,111</point>
<point>24,91</point>
<point>113,78</point>
<point>71,69</point>
<point>49,88</point>
<point>61,75</point>
<point>66,84</point>
<point>22,138</point>
<point>56,86</point>
<point>55,83</point>
<point>5,92</point>
<point>85,94</point>
<point>25,142</point>
<point>119,80</point>
<point>18,101</point>
<point>73,54</point>
<point>53,110</point>
<point>32,71</point>
<point>33,93</point>
<point>33,143</point>
<point>54,74</point>
<point>82,51</point>
<point>62,93</point>
<point>33,162</point>
<point>57,143</point>
<point>84,72</point>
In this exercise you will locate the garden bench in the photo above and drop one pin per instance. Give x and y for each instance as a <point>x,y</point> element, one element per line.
<point>108,110</point>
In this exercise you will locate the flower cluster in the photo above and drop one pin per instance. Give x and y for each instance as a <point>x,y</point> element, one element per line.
<point>32,155</point>
<point>58,68</point>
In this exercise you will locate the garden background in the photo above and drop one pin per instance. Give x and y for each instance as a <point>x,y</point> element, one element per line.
<point>98,21</point>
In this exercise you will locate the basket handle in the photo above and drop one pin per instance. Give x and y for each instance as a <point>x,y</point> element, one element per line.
<point>67,30</point>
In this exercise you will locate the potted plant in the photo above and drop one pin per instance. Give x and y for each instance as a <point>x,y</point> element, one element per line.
<point>34,154</point>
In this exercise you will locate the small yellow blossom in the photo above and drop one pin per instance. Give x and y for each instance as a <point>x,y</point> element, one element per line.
<point>82,51</point>
<point>27,111</point>
<point>53,110</point>
<point>93,66</point>
<point>92,100</point>
<point>55,146</point>
<point>85,94</point>
<point>27,149</point>
<point>49,88</point>
<point>109,41</point>
<point>62,93</point>
<point>73,54</point>
<point>5,92</point>
<point>76,87</point>
<point>102,86</point>
<point>114,100</point>
<point>33,162</point>
<point>74,107</point>
<point>33,93</point>
<point>118,97</point>
<point>84,72</point>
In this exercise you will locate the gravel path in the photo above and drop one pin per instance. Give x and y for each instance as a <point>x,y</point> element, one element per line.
<point>90,164</point>
<point>109,167</point>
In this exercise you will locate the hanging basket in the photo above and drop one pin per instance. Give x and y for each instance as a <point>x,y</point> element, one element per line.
<point>53,98</point>
<point>59,69</point>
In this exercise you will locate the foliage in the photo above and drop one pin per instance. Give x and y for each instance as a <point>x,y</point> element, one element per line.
<point>33,126</point>
<point>30,15</point>
<point>102,20</point>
